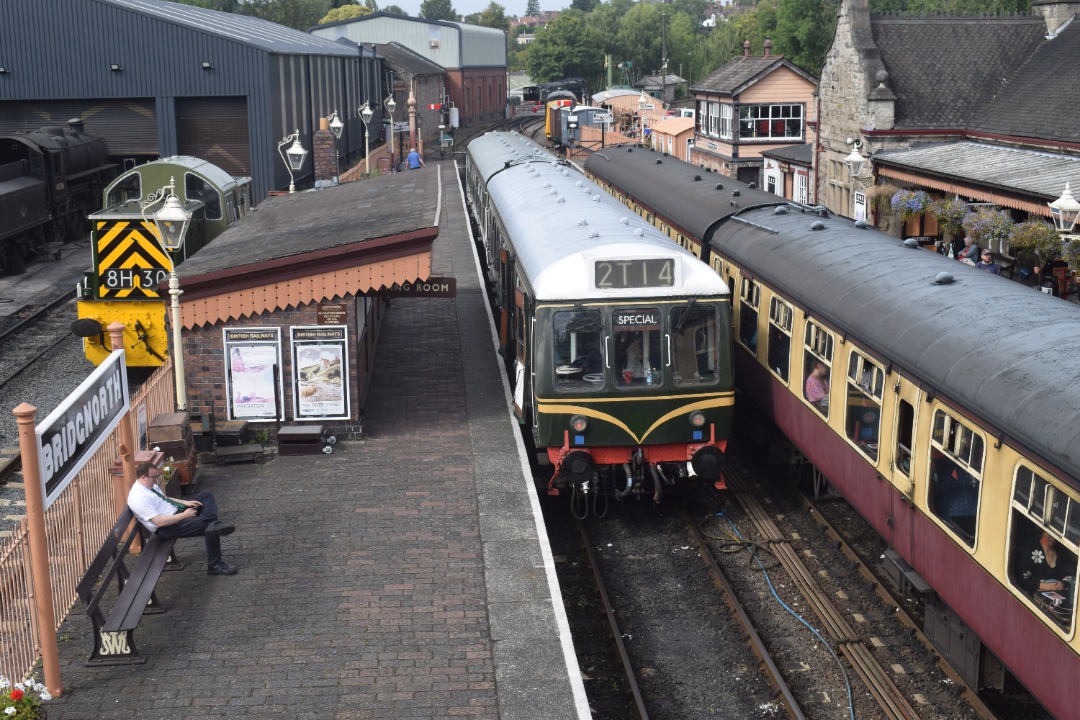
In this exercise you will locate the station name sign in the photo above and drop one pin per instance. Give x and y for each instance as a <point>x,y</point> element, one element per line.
<point>445,287</point>
<point>68,437</point>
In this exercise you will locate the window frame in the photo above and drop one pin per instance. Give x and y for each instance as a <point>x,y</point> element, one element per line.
<point>755,116</point>
<point>820,344</point>
<point>872,388</point>
<point>749,300</point>
<point>782,318</point>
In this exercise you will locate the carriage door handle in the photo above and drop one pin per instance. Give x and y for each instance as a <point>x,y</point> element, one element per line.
<point>607,352</point>
<point>668,336</point>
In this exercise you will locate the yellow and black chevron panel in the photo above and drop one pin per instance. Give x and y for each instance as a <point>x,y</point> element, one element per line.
<point>129,260</point>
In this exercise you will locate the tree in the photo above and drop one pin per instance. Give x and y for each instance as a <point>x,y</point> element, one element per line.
<point>371,5</point>
<point>438,10</point>
<point>494,16</point>
<point>532,8</point>
<point>395,10</point>
<point>804,31</point>
<point>584,6</point>
<point>297,14</point>
<point>565,48</point>
<point>345,12</point>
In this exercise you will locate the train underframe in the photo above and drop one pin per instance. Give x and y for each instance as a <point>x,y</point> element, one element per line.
<point>593,475</point>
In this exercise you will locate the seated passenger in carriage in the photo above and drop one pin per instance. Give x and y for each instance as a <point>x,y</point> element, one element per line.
<point>817,386</point>
<point>1047,571</point>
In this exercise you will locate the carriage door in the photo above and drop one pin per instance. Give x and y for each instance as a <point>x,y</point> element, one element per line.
<point>521,375</point>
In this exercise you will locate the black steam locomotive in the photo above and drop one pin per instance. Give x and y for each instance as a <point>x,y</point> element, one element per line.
<point>50,181</point>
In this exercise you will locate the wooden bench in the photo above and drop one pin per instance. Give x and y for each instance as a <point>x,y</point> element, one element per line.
<point>114,635</point>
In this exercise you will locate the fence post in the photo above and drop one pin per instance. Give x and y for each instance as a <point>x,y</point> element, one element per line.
<point>121,485</point>
<point>39,547</point>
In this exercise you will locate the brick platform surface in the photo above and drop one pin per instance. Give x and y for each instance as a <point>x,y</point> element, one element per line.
<point>401,577</point>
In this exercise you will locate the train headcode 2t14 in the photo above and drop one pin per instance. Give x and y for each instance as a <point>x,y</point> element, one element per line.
<point>640,273</point>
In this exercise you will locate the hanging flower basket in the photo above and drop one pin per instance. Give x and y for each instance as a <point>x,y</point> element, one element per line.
<point>949,214</point>
<point>1038,237</point>
<point>989,228</point>
<point>909,203</point>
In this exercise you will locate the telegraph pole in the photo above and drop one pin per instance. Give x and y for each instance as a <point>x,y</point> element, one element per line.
<point>663,59</point>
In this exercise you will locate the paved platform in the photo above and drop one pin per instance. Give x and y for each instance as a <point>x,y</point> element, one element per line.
<point>404,576</point>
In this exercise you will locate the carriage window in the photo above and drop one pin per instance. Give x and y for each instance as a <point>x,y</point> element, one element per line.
<point>749,296</point>
<point>905,430</point>
<point>864,386</point>
<point>637,347</point>
<point>779,350</point>
<point>1043,546</point>
<point>956,460</point>
<point>578,358</point>
<point>126,190</point>
<point>195,188</point>
<point>695,333</point>
<point>817,366</point>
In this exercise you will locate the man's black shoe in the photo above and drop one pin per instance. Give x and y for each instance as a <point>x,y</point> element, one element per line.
<point>222,568</point>
<point>216,527</point>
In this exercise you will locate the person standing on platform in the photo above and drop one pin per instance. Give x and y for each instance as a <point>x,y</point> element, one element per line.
<point>170,518</point>
<point>415,162</point>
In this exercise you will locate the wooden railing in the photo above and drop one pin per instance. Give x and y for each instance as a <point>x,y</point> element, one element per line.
<point>75,524</point>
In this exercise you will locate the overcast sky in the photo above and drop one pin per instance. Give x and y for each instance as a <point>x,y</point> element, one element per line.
<point>465,7</point>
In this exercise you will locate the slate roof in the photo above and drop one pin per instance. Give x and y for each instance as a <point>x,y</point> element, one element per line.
<point>1034,103</point>
<point>801,154</point>
<point>290,226</point>
<point>405,58</point>
<point>1032,172</point>
<point>966,60</point>
<point>742,72</point>
<point>246,30</point>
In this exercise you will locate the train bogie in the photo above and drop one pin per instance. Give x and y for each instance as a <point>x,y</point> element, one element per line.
<point>130,263</point>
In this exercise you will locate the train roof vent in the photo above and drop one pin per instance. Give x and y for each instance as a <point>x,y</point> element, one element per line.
<point>577,184</point>
<point>719,186</point>
<point>780,210</point>
<point>752,185</point>
<point>911,243</point>
<point>817,225</point>
<point>639,231</point>
<point>658,161</point>
<point>594,234</point>
<point>561,199</point>
<point>547,184</point>
<point>596,198</point>
<point>583,221</point>
<point>735,193</point>
<point>629,149</point>
<point>862,225</point>
<point>944,278</point>
<point>624,220</point>
<point>697,178</point>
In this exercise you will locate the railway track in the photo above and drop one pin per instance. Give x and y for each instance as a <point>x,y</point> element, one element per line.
<point>39,329</point>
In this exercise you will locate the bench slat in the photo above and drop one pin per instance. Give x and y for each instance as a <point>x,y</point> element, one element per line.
<point>139,586</point>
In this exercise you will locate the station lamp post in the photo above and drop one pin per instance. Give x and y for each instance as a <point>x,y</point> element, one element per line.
<point>336,126</point>
<point>171,223</point>
<point>855,162</point>
<point>390,106</point>
<point>293,157</point>
<point>642,102</point>
<point>365,113</point>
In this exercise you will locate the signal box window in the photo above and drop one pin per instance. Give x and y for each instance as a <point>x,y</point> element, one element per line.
<point>1044,545</point>
<point>779,350</point>
<point>865,383</point>
<point>749,296</point>
<point>817,367</point>
<point>696,344</point>
<point>578,357</point>
<point>637,348</point>
<point>956,461</point>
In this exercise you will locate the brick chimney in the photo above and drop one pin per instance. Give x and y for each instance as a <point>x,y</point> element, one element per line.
<point>324,154</point>
<point>768,47</point>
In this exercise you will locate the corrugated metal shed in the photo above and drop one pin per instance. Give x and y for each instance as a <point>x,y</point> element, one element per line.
<point>160,78</point>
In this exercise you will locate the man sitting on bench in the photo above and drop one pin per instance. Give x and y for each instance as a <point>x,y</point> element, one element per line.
<point>171,518</point>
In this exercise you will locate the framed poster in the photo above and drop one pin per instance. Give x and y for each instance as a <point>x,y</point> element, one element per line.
<point>253,378</point>
<point>320,372</point>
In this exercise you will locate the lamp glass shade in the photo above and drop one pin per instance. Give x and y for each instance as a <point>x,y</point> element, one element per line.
<point>390,104</point>
<point>1065,211</point>
<point>365,113</point>
<point>172,223</point>
<point>336,126</point>
<point>855,163</point>
<point>642,101</point>
<point>296,154</point>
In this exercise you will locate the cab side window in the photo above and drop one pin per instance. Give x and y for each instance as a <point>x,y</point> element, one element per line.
<point>1044,543</point>
<point>956,463</point>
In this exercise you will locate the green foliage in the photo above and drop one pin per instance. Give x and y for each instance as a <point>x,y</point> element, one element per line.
<point>494,16</point>
<point>949,214</point>
<point>1071,253</point>
<point>297,14</point>
<point>989,228</point>
<point>438,10</point>
<point>565,48</point>
<point>1037,236</point>
<point>532,8</point>
<point>345,12</point>
<point>804,31</point>
<point>371,5</point>
<point>22,700</point>
<point>584,5</point>
<point>908,203</point>
<point>395,9</point>
<point>951,7</point>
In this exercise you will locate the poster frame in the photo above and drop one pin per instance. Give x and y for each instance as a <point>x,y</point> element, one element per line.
<point>264,336</point>
<point>333,335</point>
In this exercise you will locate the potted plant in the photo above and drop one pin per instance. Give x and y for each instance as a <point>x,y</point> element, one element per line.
<point>988,228</point>
<point>909,203</point>
<point>23,700</point>
<point>1038,237</point>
